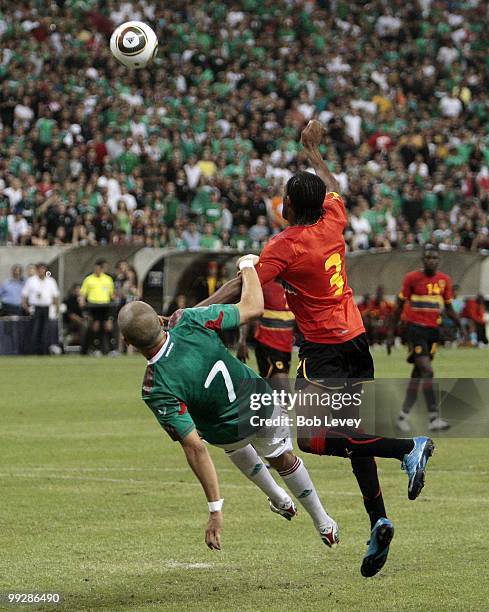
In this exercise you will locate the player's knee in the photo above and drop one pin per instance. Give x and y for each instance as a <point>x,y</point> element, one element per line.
<point>96,326</point>
<point>283,462</point>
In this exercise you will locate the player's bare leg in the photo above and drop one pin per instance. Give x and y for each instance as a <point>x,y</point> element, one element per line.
<point>295,475</point>
<point>422,375</point>
<point>248,461</point>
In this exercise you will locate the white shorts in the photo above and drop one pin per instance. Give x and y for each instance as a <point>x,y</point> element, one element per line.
<point>270,441</point>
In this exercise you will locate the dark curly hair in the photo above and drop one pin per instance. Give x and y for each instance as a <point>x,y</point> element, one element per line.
<point>306,192</point>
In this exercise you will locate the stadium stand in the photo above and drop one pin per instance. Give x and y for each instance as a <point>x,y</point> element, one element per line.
<point>194,151</point>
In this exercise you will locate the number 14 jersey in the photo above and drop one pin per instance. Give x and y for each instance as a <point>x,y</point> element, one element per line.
<point>194,382</point>
<point>309,260</point>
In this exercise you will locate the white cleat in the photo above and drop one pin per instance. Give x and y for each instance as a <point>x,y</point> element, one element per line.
<point>438,424</point>
<point>330,535</point>
<point>403,424</point>
<point>286,509</point>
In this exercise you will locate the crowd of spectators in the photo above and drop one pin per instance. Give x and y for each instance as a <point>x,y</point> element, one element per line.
<point>193,152</point>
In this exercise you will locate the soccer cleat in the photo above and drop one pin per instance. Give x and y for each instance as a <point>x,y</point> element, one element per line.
<point>378,548</point>
<point>330,535</point>
<point>403,424</point>
<point>438,424</point>
<point>414,464</point>
<point>287,510</point>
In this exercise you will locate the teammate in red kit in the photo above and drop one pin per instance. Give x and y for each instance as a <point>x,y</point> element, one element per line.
<point>308,257</point>
<point>274,336</point>
<point>424,295</point>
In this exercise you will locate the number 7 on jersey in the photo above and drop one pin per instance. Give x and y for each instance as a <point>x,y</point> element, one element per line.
<point>220,366</point>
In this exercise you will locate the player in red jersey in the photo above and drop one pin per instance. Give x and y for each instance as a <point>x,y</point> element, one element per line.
<point>274,336</point>
<point>308,257</point>
<point>424,295</point>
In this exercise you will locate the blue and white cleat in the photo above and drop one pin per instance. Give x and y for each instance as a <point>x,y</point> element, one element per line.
<point>378,548</point>
<point>414,463</point>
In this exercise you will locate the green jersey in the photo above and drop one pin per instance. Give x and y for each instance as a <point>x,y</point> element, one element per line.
<point>194,382</point>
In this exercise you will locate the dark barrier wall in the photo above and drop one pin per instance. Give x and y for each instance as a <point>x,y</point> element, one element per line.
<point>79,261</point>
<point>368,270</point>
<point>180,270</point>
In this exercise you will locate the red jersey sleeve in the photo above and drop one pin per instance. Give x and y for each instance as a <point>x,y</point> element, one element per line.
<point>334,204</point>
<point>274,259</point>
<point>406,290</point>
<point>447,292</point>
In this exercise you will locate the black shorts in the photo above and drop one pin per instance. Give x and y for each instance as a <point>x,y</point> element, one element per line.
<point>100,312</point>
<point>421,340</point>
<point>271,361</point>
<point>335,362</point>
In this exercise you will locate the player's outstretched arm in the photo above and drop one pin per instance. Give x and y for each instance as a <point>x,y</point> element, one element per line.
<point>251,304</point>
<point>203,467</point>
<point>451,314</point>
<point>311,138</point>
<point>242,353</point>
<point>228,294</point>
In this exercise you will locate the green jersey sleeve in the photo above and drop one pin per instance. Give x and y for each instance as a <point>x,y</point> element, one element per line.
<point>217,317</point>
<point>172,415</point>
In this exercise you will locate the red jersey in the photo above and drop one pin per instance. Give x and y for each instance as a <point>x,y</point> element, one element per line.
<point>309,260</point>
<point>474,311</point>
<point>276,327</point>
<point>425,297</point>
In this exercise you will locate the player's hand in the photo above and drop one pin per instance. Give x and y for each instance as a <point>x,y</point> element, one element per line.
<point>312,134</point>
<point>163,321</point>
<point>213,531</point>
<point>254,258</point>
<point>242,352</point>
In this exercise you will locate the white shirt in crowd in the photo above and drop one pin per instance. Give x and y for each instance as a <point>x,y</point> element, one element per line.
<point>387,25</point>
<point>419,168</point>
<point>40,292</point>
<point>193,174</point>
<point>450,107</point>
<point>113,191</point>
<point>353,127</point>
<point>17,228</point>
<point>361,227</point>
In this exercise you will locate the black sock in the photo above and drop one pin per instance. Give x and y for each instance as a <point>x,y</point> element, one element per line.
<point>364,445</point>
<point>365,470</point>
<point>430,398</point>
<point>411,393</point>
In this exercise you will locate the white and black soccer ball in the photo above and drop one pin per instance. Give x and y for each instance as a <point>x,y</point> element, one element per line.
<point>134,44</point>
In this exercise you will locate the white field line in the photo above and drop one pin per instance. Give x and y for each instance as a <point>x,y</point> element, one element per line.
<point>180,565</point>
<point>176,483</point>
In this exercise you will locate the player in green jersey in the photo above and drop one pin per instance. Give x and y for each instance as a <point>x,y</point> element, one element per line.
<point>199,391</point>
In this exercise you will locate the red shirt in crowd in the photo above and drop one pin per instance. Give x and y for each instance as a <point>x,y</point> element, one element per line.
<point>474,311</point>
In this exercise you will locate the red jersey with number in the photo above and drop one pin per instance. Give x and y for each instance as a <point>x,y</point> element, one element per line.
<point>309,260</point>
<point>425,297</point>
<point>276,327</point>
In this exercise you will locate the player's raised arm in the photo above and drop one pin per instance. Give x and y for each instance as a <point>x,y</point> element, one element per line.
<point>311,138</point>
<point>203,467</point>
<point>251,304</point>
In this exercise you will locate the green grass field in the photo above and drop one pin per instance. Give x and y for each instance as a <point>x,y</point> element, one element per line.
<point>97,503</point>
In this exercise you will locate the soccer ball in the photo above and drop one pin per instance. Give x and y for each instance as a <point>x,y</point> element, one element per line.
<point>134,44</point>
